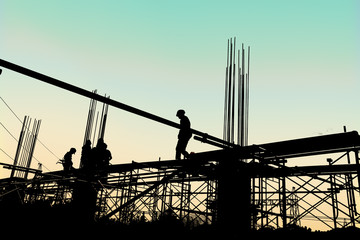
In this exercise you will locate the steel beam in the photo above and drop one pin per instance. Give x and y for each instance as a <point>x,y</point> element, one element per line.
<point>111,102</point>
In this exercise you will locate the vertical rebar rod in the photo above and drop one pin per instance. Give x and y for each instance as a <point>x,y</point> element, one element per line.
<point>247,99</point>
<point>226,95</point>
<point>90,118</point>
<point>236,104</point>
<point>34,134</point>
<point>18,149</point>
<point>97,117</point>
<point>233,94</point>
<point>242,97</point>
<point>229,94</point>
<point>101,121</point>
<point>25,148</point>
<point>239,101</point>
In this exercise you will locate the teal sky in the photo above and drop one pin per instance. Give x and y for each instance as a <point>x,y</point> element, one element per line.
<point>160,56</point>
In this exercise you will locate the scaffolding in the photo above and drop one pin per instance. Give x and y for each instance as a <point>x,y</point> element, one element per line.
<point>325,193</point>
<point>188,190</point>
<point>245,187</point>
<point>137,192</point>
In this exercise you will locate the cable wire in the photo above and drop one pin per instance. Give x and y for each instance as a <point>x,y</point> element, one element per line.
<point>29,130</point>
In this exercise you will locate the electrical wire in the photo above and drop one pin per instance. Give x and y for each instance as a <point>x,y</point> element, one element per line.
<point>7,105</point>
<point>6,154</point>
<point>24,148</point>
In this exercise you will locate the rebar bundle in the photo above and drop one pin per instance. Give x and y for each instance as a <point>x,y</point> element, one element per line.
<point>90,131</point>
<point>91,128</point>
<point>25,148</point>
<point>236,106</point>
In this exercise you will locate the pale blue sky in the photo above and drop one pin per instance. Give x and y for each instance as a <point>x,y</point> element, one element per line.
<point>160,56</point>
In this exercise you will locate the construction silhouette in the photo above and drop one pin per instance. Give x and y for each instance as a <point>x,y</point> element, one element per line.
<point>183,136</point>
<point>237,188</point>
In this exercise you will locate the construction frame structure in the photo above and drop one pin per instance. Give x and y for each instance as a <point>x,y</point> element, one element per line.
<point>193,191</point>
<point>326,193</point>
<point>236,188</point>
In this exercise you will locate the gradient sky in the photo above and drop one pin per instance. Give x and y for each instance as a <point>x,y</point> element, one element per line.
<point>160,56</point>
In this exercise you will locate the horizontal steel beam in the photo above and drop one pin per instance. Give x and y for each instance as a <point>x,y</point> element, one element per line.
<point>19,168</point>
<point>116,104</point>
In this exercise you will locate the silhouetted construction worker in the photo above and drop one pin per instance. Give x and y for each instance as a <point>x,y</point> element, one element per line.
<point>67,162</point>
<point>183,136</point>
<point>96,154</point>
<point>85,155</point>
<point>106,155</point>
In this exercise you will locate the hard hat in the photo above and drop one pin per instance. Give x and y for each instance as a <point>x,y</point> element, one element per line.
<point>180,113</point>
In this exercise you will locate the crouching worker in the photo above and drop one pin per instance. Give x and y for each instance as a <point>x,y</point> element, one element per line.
<point>67,161</point>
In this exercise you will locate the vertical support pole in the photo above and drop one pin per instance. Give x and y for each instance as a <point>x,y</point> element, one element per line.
<point>266,200</point>
<point>156,197</point>
<point>233,205</point>
<point>84,202</point>
<point>253,203</point>
<point>163,201</point>
<point>182,198</point>
<point>209,202</point>
<point>239,102</point>
<point>350,192</point>
<point>357,166</point>
<point>188,199</point>
<point>332,193</point>
<point>283,200</point>
<point>171,198</point>
<point>261,202</point>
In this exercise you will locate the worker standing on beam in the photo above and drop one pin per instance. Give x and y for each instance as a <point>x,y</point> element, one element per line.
<point>183,136</point>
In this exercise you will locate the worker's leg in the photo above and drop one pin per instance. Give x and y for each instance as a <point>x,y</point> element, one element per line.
<point>180,148</point>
